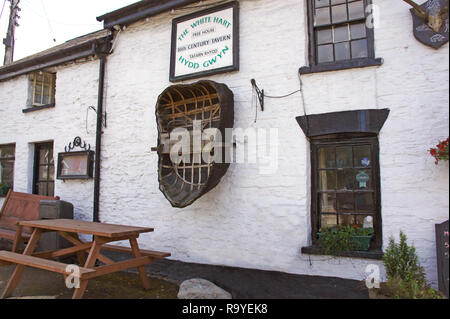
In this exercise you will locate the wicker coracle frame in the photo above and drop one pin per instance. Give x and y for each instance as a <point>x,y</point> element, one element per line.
<point>180,106</point>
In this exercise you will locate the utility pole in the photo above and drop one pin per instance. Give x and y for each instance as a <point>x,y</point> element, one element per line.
<point>9,40</point>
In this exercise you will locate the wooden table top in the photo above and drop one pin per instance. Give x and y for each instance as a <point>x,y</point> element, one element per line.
<point>86,227</point>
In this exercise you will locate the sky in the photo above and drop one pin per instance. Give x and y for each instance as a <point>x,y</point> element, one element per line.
<point>43,21</point>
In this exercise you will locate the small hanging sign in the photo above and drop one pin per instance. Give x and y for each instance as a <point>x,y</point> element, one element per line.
<point>205,43</point>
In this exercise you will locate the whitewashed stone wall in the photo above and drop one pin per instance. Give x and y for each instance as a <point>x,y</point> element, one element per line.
<point>76,89</point>
<point>252,220</point>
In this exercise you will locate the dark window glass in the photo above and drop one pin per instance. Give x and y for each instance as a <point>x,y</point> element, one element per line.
<point>345,184</point>
<point>325,53</point>
<point>44,170</point>
<point>7,157</point>
<point>342,23</point>
<point>359,49</point>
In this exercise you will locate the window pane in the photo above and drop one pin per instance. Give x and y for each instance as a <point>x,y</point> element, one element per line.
<point>37,97</point>
<point>327,221</point>
<point>356,10</point>
<point>339,13</point>
<point>327,180</point>
<point>326,157</point>
<point>363,156</point>
<point>325,53</point>
<point>327,203</point>
<point>358,30</point>
<point>43,173</point>
<point>363,179</point>
<point>337,1</point>
<point>365,202</point>
<point>342,51</point>
<point>51,172</point>
<point>364,221</point>
<point>51,189</point>
<point>346,220</point>
<point>7,172</point>
<point>324,36</point>
<point>43,156</point>
<point>322,3</point>
<point>359,49</point>
<point>7,151</point>
<point>345,179</point>
<point>344,156</point>
<point>345,202</point>
<point>341,34</point>
<point>42,189</point>
<point>75,165</point>
<point>322,16</point>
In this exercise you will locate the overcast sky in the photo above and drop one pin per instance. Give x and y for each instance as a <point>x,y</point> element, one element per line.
<point>41,21</point>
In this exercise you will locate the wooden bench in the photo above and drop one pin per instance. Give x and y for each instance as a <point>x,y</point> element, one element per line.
<point>69,229</point>
<point>19,207</point>
<point>40,263</point>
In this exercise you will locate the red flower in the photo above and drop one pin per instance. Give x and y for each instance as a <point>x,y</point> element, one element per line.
<point>433,152</point>
<point>355,226</point>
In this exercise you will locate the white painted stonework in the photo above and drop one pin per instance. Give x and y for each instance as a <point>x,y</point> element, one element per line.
<point>250,220</point>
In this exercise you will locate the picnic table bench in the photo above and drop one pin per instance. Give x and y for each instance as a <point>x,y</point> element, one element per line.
<point>69,229</point>
<point>19,207</point>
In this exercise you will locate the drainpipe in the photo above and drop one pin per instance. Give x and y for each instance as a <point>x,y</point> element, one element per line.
<point>98,137</point>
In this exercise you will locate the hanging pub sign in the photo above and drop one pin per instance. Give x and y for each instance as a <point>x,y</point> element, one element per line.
<point>205,43</point>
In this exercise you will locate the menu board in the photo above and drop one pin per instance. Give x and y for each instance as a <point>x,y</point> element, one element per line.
<point>205,43</point>
<point>442,256</point>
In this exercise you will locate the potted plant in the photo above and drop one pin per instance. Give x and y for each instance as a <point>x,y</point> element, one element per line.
<point>345,238</point>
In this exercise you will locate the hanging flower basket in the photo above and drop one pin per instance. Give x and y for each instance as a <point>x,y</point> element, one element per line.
<point>440,153</point>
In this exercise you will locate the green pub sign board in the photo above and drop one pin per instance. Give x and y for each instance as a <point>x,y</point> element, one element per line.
<point>205,43</point>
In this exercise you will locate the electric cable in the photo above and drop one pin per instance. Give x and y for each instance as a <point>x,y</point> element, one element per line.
<point>3,7</point>
<point>48,21</point>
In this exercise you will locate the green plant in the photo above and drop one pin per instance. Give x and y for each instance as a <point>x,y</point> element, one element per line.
<point>4,189</point>
<point>401,261</point>
<point>406,278</point>
<point>341,238</point>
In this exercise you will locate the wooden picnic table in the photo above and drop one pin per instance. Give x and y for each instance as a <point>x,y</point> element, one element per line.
<point>69,229</point>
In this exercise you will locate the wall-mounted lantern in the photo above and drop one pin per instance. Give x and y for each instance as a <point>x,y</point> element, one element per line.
<point>75,165</point>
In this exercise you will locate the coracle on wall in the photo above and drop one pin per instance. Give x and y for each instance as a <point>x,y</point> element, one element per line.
<point>193,109</point>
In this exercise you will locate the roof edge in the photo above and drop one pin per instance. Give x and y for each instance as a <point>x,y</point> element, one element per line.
<point>54,58</point>
<point>139,11</point>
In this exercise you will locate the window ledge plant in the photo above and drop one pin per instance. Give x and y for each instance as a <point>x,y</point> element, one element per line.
<point>344,238</point>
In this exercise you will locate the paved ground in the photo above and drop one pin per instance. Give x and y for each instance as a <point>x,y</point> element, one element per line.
<point>122,285</point>
<point>258,284</point>
<point>167,275</point>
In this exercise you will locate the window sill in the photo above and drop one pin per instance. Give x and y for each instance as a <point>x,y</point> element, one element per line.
<point>344,65</point>
<point>38,108</point>
<point>370,254</point>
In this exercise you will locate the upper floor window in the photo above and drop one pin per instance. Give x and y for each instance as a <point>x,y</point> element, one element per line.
<point>339,35</point>
<point>43,88</point>
<point>7,156</point>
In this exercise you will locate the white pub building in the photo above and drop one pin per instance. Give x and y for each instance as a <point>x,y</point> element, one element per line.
<point>327,111</point>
